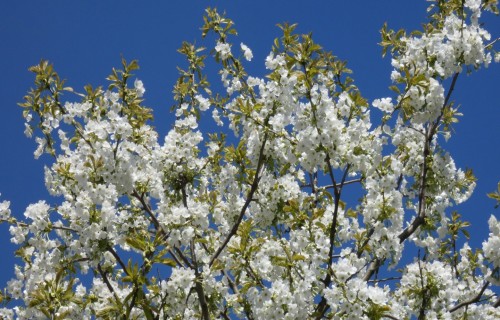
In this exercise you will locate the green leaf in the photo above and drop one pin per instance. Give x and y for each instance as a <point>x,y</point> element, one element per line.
<point>147,312</point>
<point>166,261</point>
<point>496,196</point>
<point>298,257</point>
<point>136,243</point>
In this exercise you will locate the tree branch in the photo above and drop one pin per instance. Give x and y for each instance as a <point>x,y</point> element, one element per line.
<point>108,284</point>
<point>246,306</point>
<point>425,301</point>
<point>175,258</point>
<point>420,219</point>
<point>183,257</point>
<point>337,191</point>
<point>252,191</point>
<point>471,301</point>
<point>374,265</point>
<point>199,285</point>
<point>118,259</point>
<point>384,280</point>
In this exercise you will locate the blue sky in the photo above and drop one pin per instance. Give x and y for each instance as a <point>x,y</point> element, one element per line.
<point>85,39</point>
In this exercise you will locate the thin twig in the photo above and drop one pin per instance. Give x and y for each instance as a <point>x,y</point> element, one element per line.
<point>186,261</point>
<point>385,279</point>
<point>118,259</point>
<point>175,258</point>
<point>148,210</point>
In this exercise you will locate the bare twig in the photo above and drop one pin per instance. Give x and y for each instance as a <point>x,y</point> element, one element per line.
<point>385,279</point>
<point>331,186</point>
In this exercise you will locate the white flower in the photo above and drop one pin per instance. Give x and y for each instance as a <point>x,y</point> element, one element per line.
<point>18,234</point>
<point>41,147</point>
<point>139,87</point>
<point>204,102</point>
<point>224,49</point>
<point>246,52</point>
<point>384,104</point>
<point>4,210</point>
<point>216,117</point>
<point>491,246</point>
<point>6,313</point>
<point>252,81</point>
<point>28,131</point>
<point>273,62</point>
<point>37,211</point>
<point>474,5</point>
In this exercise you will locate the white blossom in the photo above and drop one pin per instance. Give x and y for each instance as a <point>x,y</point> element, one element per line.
<point>303,206</point>
<point>139,87</point>
<point>224,49</point>
<point>246,52</point>
<point>384,104</point>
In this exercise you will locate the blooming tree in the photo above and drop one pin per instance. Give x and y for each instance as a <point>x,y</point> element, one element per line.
<point>253,221</point>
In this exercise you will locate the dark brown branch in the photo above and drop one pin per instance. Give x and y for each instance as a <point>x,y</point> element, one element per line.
<point>374,265</point>
<point>108,284</point>
<point>368,237</point>
<point>450,91</point>
<point>253,189</point>
<point>199,285</point>
<point>224,315</point>
<point>132,302</point>
<point>147,208</point>
<point>385,279</point>
<point>118,259</point>
<point>421,315</point>
<point>64,228</point>
<point>183,257</point>
<point>331,186</point>
<point>312,185</point>
<point>343,184</point>
<point>246,306</point>
<point>471,301</point>
<point>420,219</point>
<point>175,258</point>
<point>411,228</point>
<point>337,191</point>
<point>198,276</point>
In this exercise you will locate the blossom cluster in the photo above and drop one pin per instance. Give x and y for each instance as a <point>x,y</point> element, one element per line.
<point>256,222</point>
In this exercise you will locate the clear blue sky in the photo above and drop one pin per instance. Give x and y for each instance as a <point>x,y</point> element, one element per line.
<point>85,39</point>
